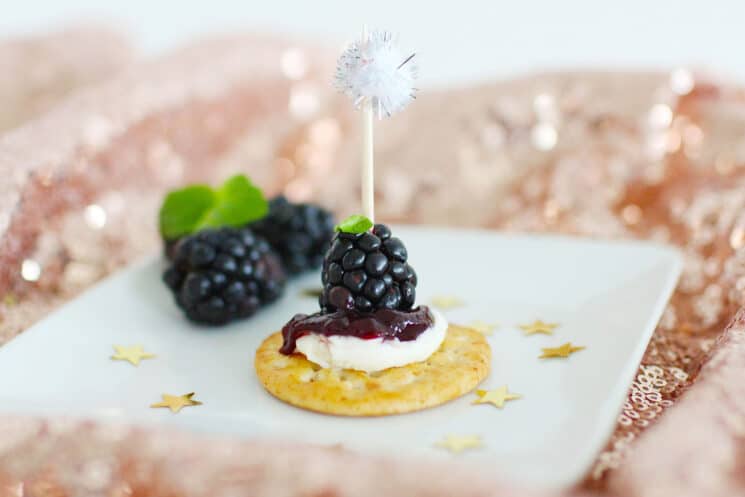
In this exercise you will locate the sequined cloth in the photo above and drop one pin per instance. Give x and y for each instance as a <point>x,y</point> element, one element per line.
<point>39,71</point>
<point>611,155</point>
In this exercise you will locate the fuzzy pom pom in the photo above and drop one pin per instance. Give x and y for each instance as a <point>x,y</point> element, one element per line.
<point>375,69</point>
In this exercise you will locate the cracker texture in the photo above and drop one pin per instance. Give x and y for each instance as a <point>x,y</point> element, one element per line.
<point>458,366</point>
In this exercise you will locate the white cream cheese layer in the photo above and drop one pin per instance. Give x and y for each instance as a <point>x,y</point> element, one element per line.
<point>377,354</point>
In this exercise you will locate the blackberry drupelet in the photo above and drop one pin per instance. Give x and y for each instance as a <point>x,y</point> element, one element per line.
<point>300,233</point>
<point>366,272</point>
<point>221,275</point>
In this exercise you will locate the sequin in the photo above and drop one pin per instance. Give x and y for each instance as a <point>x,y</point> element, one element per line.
<point>681,81</point>
<point>95,216</point>
<point>304,101</point>
<point>30,270</point>
<point>631,214</point>
<point>660,116</point>
<point>544,136</point>
<point>294,63</point>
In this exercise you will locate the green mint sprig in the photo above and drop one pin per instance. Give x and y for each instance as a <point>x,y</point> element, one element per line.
<point>196,207</point>
<point>354,224</point>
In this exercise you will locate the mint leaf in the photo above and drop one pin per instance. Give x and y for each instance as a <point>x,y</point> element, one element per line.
<point>182,210</point>
<point>236,203</point>
<point>354,224</point>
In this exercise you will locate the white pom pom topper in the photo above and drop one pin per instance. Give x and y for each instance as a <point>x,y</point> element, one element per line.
<point>374,70</point>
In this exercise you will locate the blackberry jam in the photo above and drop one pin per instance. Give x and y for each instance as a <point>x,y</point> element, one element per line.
<point>382,323</point>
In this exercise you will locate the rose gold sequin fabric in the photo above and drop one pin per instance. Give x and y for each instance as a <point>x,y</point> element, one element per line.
<point>69,458</point>
<point>629,155</point>
<point>39,71</point>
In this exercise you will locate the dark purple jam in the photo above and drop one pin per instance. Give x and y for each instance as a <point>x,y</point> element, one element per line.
<point>383,323</point>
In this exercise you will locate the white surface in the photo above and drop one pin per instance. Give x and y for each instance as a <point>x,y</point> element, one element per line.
<point>456,41</point>
<point>347,352</point>
<point>607,297</point>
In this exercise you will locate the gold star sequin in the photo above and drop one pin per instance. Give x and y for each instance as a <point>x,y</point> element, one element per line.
<point>539,326</point>
<point>446,302</point>
<point>483,328</point>
<point>133,353</point>
<point>497,397</point>
<point>177,402</point>
<point>457,444</point>
<point>562,351</point>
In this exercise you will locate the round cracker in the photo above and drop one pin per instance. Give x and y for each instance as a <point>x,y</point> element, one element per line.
<point>458,366</point>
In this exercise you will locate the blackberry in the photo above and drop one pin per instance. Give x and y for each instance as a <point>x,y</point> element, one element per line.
<point>221,275</point>
<point>300,233</point>
<point>366,272</point>
<point>169,248</point>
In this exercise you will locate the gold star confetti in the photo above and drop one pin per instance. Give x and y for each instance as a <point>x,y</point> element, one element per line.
<point>539,326</point>
<point>497,397</point>
<point>445,302</point>
<point>177,402</point>
<point>457,444</point>
<point>483,328</point>
<point>133,353</point>
<point>562,351</point>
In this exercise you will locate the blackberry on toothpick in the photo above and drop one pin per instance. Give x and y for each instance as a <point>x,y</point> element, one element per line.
<point>367,270</point>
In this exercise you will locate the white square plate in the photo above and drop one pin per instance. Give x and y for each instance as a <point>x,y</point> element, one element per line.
<point>607,296</point>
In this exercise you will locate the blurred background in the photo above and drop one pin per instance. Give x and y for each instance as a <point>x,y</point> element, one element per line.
<point>468,40</point>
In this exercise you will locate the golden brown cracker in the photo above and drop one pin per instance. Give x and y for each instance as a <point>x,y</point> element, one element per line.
<point>458,366</point>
